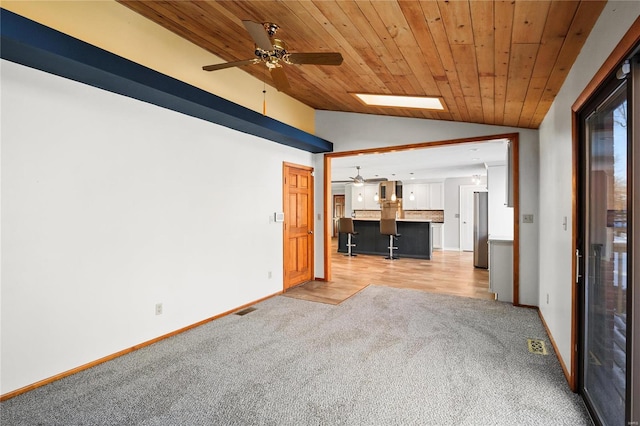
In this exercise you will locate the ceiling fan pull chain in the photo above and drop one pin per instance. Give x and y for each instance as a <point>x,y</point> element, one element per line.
<point>264,94</point>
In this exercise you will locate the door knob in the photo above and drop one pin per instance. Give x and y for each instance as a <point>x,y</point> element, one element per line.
<point>310,232</point>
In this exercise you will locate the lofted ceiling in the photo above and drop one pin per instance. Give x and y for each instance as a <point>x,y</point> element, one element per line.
<point>492,62</point>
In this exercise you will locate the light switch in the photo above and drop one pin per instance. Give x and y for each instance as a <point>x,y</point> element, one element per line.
<point>527,218</point>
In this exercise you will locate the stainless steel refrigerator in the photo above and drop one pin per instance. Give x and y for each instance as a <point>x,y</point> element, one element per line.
<point>480,230</point>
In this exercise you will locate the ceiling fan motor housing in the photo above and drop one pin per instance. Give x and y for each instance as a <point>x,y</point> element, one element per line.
<point>271,28</point>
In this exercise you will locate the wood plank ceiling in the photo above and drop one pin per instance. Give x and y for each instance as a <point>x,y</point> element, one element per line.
<point>492,62</point>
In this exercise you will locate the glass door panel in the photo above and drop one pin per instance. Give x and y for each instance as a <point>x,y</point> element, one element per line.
<point>605,315</point>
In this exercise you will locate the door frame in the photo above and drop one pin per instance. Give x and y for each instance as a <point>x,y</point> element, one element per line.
<point>513,139</point>
<point>623,50</point>
<point>310,214</point>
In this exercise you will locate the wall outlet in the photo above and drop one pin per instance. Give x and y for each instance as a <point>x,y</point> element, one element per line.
<point>269,274</point>
<point>547,298</point>
<point>158,308</point>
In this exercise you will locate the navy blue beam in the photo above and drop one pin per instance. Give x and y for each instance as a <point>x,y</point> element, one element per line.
<point>34,45</point>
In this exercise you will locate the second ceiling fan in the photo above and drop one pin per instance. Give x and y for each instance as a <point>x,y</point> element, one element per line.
<point>273,53</point>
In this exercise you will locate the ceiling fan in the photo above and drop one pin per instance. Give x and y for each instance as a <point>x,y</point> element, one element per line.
<point>359,180</point>
<point>273,53</point>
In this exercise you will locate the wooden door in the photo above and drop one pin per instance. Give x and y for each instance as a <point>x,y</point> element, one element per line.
<point>338,212</point>
<point>298,224</point>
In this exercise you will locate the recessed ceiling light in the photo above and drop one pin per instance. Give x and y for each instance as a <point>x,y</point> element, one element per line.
<point>475,159</point>
<point>423,102</point>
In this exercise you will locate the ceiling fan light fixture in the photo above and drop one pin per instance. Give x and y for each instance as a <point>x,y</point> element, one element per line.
<point>358,180</point>
<point>421,102</point>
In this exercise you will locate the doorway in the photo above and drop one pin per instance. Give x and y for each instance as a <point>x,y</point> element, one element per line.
<point>513,139</point>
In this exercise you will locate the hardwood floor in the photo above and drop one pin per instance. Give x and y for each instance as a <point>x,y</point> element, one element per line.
<point>448,272</point>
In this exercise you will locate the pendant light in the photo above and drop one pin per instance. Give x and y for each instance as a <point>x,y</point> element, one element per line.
<point>393,195</point>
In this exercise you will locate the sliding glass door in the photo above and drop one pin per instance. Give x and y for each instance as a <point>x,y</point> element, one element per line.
<point>607,351</point>
<point>605,259</point>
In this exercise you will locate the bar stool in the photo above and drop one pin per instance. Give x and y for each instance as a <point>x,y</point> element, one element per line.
<point>389,227</point>
<point>345,226</point>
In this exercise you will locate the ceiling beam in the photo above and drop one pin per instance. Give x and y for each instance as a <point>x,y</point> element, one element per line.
<point>34,45</point>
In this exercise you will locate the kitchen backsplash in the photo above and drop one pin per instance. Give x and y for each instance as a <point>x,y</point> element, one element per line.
<point>432,215</point>
<point>368,214</point>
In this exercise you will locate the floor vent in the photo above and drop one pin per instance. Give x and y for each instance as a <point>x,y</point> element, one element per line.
<point>537,347</point>
<point>245,311</point>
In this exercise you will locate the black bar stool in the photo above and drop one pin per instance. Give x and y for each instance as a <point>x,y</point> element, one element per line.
<point>389,227</point>
<point>345,226</point>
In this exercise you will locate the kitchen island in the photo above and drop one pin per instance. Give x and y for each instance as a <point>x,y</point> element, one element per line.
<point>415,240</point>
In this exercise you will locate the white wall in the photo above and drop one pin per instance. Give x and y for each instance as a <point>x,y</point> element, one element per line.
<point>111,205</point>
<point>555,172</point>
<point>351,131</point>
<point>452,209</point>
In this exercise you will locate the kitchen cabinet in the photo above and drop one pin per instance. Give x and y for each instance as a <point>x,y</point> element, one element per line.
<point>363,197</point>
<point>371,197</point>
<point>501,268</point>
<point>357,197</point>
<point>437,235</point>
<point>436,196</point>
<point>409,201</point>
<point>426,196</point>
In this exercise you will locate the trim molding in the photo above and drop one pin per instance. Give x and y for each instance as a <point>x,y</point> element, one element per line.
<point>34,45</point>
<point>88,365</point>
<point>513,137</point>
<point>555,348</point>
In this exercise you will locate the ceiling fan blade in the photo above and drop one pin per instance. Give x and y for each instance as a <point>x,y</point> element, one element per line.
<point>258,34</point>
<point>279,78</point>
<point>230,64</point>
<point>318,58</point>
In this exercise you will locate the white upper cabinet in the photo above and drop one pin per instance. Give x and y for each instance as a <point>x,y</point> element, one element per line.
<point>357,197</point>
<point>409,201</point>
<point>371,197</point>
<point>423,196</point>
<point>364,197</point>
<point>436,196</point>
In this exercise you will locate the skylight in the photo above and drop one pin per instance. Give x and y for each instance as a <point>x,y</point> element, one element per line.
<point>422,102</point>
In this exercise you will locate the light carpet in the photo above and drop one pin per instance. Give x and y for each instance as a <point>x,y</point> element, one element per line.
<point>383,357</point>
